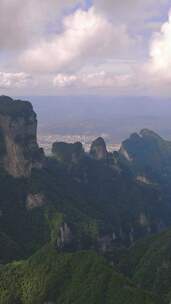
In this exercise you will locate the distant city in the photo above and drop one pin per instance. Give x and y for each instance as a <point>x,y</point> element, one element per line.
<point>84,118</point>
<point>46,141</point>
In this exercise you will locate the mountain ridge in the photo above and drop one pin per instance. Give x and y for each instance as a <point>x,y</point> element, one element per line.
<point>73,202</point>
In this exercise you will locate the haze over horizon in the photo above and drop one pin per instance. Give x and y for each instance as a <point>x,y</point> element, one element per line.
<point>84,118</point>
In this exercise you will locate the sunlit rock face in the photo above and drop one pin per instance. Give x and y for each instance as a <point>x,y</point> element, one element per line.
<point>19,151</point>
<point>143,180</point>
<point>98,149</point>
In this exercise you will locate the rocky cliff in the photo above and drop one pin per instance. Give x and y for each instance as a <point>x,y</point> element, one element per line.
<point>148,155</point>
<point>98,149</point>
<point>19,151</point>
<point>68,152</point>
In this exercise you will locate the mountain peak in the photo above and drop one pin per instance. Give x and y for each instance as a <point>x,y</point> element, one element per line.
<point>149,133</point>
<point>68,152</point>
<point>98,149</point>
<point>18,132</point>
<point>15,108</point>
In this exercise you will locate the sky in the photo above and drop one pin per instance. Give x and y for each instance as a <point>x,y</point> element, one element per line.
<point>102,47</point>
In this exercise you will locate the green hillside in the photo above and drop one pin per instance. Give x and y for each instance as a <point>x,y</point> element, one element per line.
<point>79,278</point>
<point>148,264</point>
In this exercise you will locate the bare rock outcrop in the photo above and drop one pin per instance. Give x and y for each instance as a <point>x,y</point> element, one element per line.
<point>68,152</point>
<point>35,200</point>
<point>65,236</point>
<point>98,149</point>
<point>19,151</point>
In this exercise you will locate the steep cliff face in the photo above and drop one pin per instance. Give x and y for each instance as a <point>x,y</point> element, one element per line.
<point>19,151</point>
<point>98,149</point>
<point>65,236</point>
<point>148,155</point>
<point>35,200</point>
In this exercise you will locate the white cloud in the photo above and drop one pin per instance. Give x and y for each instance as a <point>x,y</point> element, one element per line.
<point>85,49</point>
<point>96,80</point>
<point>22,22</point>
<point>130,10</point>
<point>160,51</point>
<point>64,80</point>
<point>86,37</point>
<point>14,80</point>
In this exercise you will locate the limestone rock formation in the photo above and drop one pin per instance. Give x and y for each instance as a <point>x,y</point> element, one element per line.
<point>68,152</point>
<point>148,155</point>
<point>35,200</point>
<point>19,151</point>
<point>65,236</point>
<point>98,149</point>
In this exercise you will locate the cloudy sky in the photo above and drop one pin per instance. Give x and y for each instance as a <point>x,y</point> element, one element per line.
<point>85,47</point>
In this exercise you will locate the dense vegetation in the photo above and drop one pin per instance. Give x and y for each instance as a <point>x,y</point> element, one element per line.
<point>153,269</point>
<point>147,263</point>
<point>23,231</point>
<point>79,278</point>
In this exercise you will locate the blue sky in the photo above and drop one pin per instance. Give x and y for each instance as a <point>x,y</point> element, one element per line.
<point>85,47</point>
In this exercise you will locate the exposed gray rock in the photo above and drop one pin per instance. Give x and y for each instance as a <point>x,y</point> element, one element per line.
<point>18,128</point>
<point>65,236</point>
<point>123,152</point>
<point>35,200</point>
<point>131,235</point>
<point>68,152</point>
<point>148,156</point>
<point>143,220</point>
<point>98,149</point>
<point>104,243</point>
<point>143,180</point>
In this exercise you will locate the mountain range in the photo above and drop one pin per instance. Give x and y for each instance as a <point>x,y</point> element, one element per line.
<point>78,227</point>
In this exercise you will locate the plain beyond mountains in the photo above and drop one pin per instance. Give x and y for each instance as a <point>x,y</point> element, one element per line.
<point>115,116</point>
<point>84,118</point>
